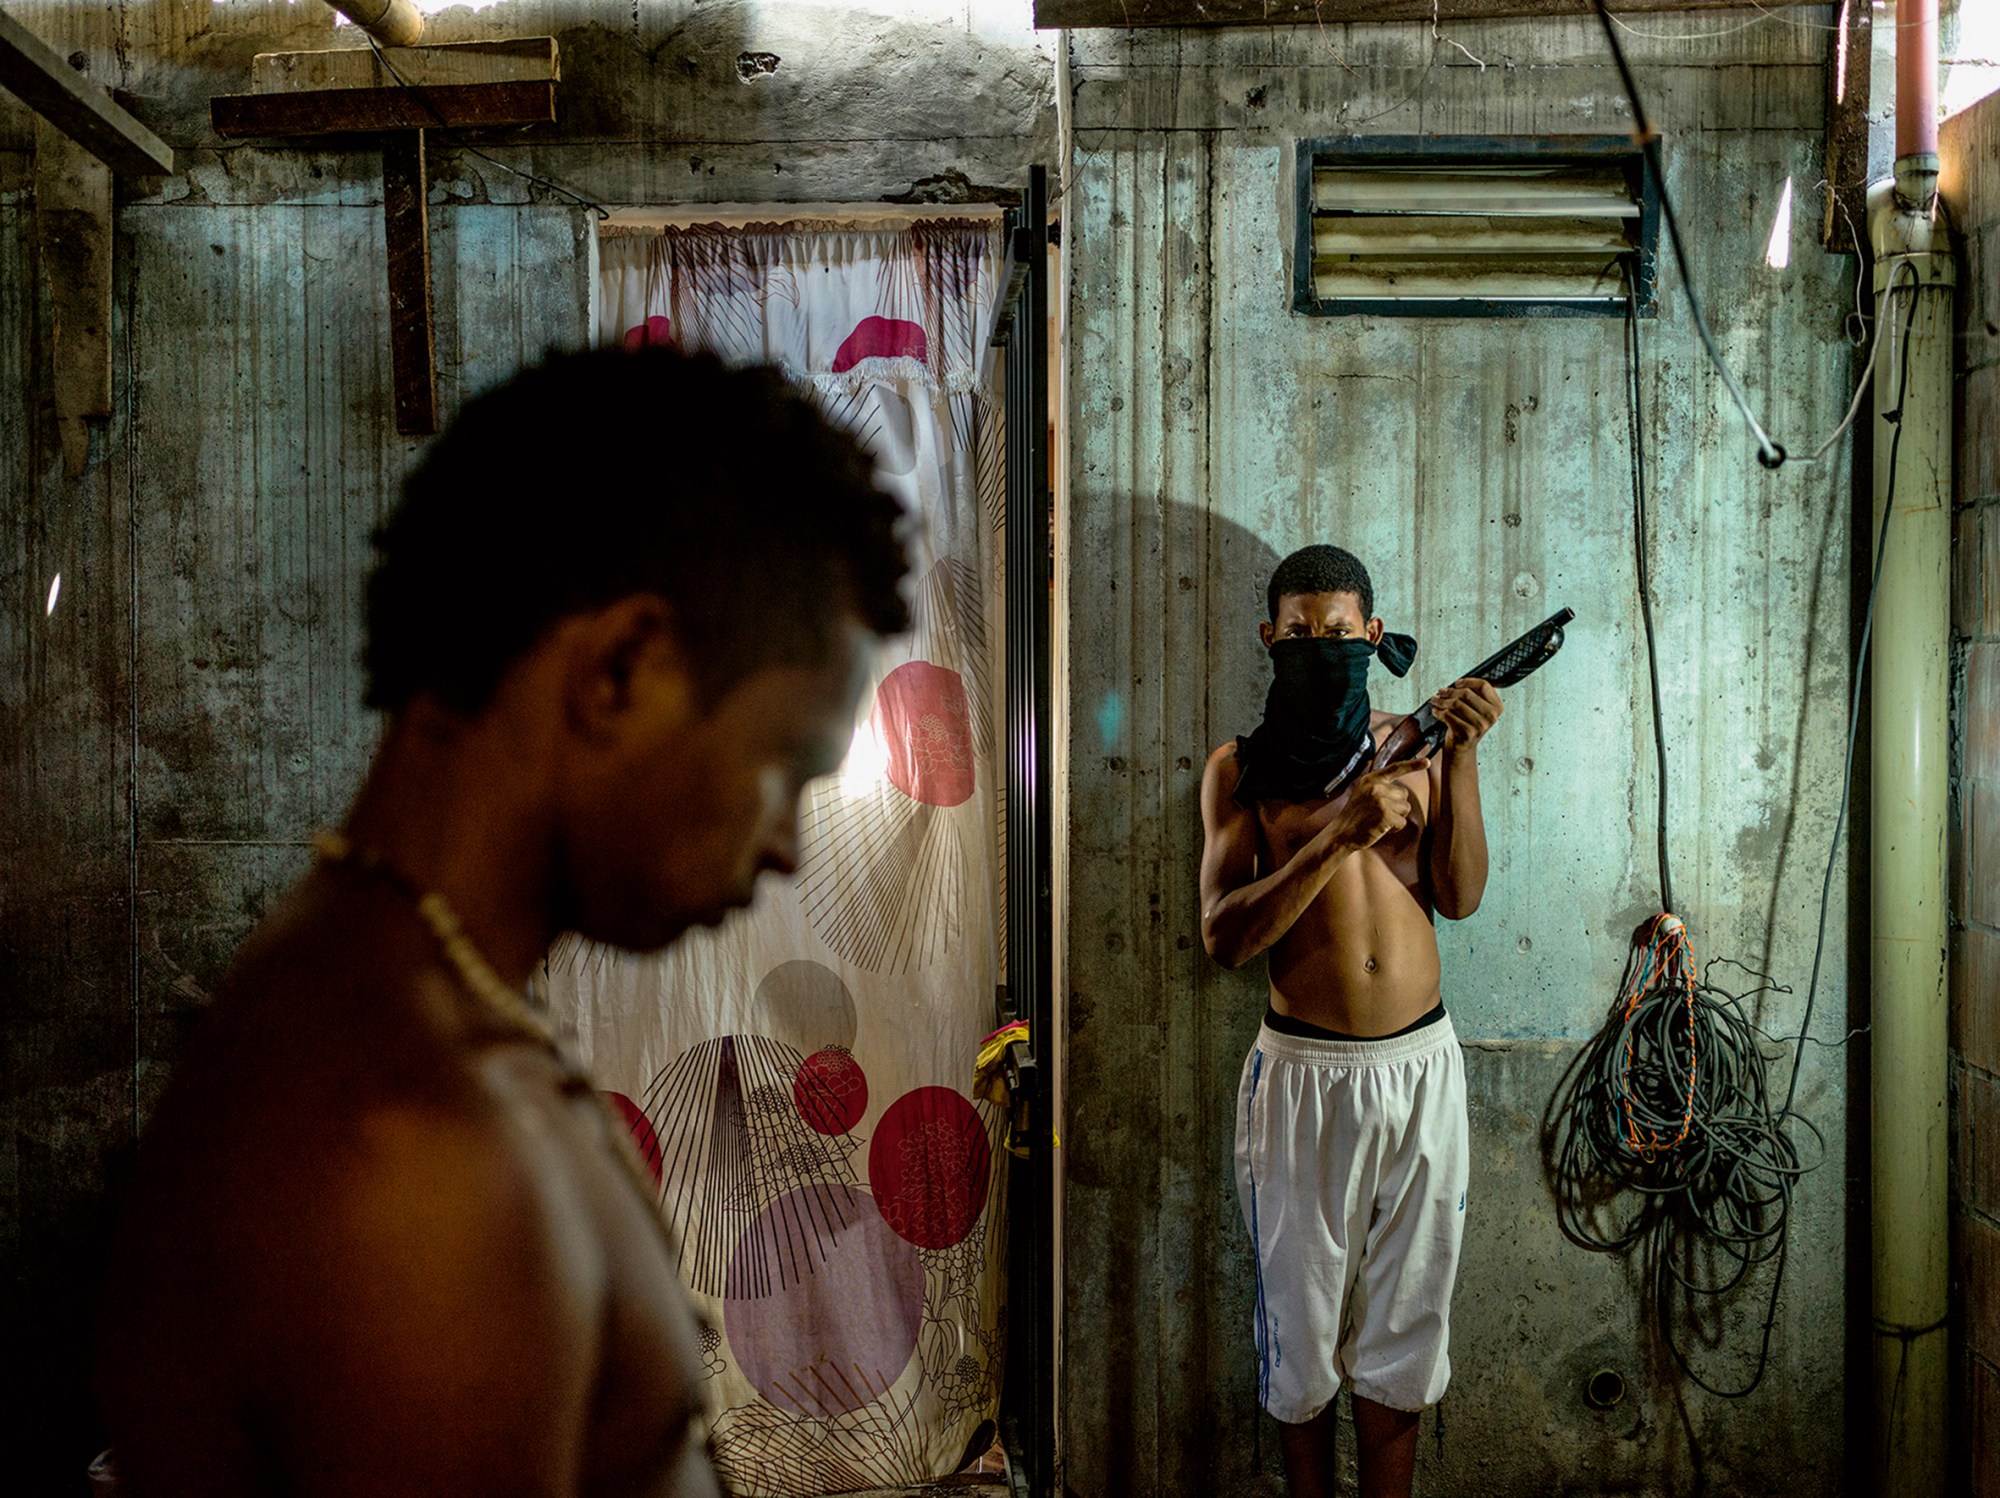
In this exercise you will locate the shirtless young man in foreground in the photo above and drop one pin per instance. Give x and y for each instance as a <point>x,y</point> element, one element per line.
<point>1351,1127</point>
<point>386,1240</point>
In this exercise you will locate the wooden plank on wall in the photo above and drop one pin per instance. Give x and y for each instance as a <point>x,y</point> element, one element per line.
<point>1844,202</point>
<point>526,59</point>
<point>406,229</point>
<point>31,70</point>
<point>1120,14</point>
<point>73,224</point>
<point>346,111</point>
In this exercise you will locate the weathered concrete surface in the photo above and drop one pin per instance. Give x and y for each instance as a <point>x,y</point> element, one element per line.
<point>868,99</point>
<point>1967,146</point>
<point>171,735</point>
<point>1481,468</point>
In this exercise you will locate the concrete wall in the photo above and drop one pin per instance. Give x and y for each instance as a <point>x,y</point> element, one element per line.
<point>1968,147</point>
<point>1480,468</point>
<point>174,731</point>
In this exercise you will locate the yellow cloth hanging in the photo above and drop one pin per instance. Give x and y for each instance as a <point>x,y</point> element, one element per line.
<point>989,1084</point>
<point>989,1075</point>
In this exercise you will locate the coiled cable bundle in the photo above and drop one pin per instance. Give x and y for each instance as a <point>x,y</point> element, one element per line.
<point>1663,1138</point>
<point>1667,1116</point>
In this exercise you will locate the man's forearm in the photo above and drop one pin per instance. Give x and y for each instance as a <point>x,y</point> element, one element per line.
<point>1458,838</point>
<point>1246,921</point>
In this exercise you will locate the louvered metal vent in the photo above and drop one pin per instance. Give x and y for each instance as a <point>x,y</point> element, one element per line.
<point>1416,225</point>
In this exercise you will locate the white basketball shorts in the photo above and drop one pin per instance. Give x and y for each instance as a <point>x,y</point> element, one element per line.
<point>1351,1164</point>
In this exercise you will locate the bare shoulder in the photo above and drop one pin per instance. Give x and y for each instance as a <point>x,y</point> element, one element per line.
<point>443,1323</point>
<point>386,1281</point>
<point>325,1097</point>
<point>1231,841</point>
<point>1221,774</point>
<point>454,1201</point>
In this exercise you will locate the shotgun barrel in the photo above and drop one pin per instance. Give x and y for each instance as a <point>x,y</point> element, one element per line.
<point>1513,662</point>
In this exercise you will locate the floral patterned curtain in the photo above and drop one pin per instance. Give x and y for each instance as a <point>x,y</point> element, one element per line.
<point>800,1080</point>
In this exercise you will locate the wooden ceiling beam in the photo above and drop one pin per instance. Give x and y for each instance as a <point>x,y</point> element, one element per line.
<point>363,111</point>
<point>520,59</point>
<point>33,72</point>
<point>1122,14</point>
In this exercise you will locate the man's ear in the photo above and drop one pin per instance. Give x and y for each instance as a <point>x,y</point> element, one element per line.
<point>1374,628</point>
<point>625,662</point>
<point>1267,632</point>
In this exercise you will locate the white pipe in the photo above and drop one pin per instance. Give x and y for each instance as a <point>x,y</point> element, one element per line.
<point>1910,714</point>
<point>393,23</point>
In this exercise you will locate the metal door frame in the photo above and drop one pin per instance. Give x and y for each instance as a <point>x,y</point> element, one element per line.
<point>1028,1407</point>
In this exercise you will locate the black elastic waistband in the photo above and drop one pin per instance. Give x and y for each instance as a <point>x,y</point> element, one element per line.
<point>1285,1024</point>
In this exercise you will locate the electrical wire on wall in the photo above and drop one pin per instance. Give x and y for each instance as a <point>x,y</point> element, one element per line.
<point>1770,453</point>
<point>438,124</point>
<point>1663,1137</point>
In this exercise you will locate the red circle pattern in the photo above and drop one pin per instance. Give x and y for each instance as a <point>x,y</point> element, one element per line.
<point>881,338</point>
<point>831,1091</point>
<point>924,721</point>
<point>928,1166</point>
<point>654,332</point>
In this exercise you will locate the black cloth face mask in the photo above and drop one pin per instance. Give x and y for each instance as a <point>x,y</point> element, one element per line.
<point>1315,730</point>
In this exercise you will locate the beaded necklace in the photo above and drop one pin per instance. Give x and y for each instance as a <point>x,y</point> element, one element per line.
<point>503,1005</point>
<point>509,1010</point>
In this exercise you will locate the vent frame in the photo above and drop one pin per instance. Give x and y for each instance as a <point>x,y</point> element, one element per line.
<point>1429,152</point>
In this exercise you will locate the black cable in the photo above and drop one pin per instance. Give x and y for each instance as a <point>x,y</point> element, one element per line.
<point>1894,416</point>
<point>1769,453</point>
<point>1639,529</point>
<point>1670,1101</point>
<point>438,123</point>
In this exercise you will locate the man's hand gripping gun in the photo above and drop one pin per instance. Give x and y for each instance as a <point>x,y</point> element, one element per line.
<point>1512,663</point>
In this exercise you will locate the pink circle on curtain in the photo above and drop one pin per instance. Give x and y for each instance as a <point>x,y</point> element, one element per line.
<point>928,1165</point>
<point>881,338</point>
<point>831,1091</point>
<point>653,332</point>
<point>644,1135</point>
<point>823,1302</point>
<point>923,719</point>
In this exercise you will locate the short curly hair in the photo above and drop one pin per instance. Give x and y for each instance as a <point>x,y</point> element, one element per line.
<point>594,476</point>
<point>1322,569</point>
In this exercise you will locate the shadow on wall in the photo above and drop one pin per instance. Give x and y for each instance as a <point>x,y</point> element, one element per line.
<point>1162,635</point>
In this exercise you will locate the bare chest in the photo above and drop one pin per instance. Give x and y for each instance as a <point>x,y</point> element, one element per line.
<point>1284,827</point>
